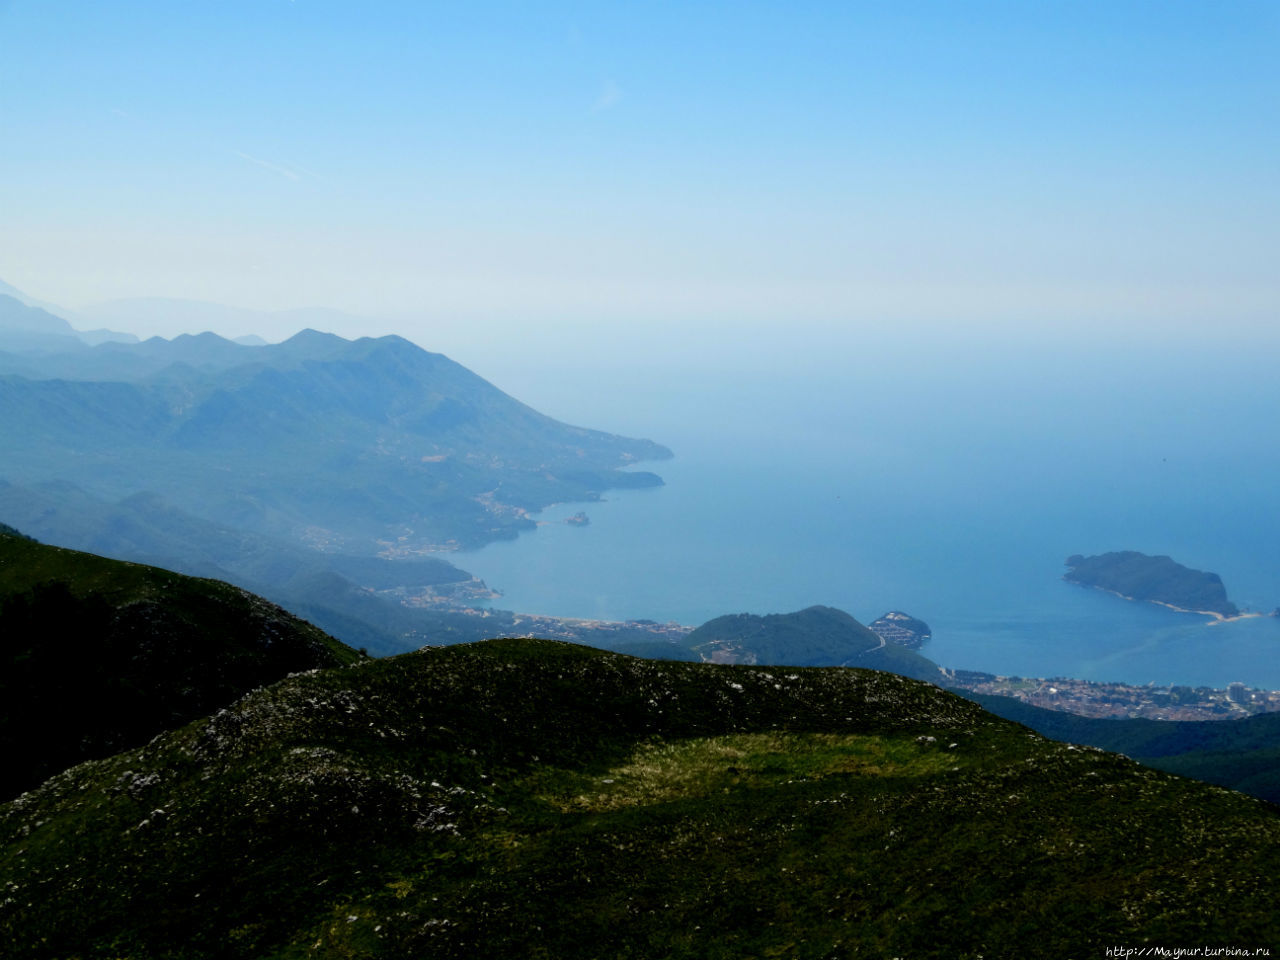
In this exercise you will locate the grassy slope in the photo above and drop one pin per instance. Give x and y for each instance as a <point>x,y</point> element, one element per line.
<point>1240,754</point>
<point>538,799</point>
<point>97,655</point>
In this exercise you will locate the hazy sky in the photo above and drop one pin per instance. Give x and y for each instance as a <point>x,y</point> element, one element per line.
<point>534,166</point>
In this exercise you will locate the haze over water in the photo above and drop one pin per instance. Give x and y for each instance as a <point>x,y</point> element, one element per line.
<point>950,482</point>
<point>626,198</point>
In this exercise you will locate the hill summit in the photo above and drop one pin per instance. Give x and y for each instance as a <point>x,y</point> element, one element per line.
<point>526,798</point>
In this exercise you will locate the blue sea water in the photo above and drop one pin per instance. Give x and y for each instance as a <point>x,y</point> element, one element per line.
<point>949,482</point>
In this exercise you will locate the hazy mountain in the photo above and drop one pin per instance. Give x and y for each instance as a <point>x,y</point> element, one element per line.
<point>188,314</point>
<point>97,656</point>
<point>365,446</point>
<point>18,316</point>
<point>145,526</point>
<point>26,328</point>
<point>336,591</point>
<point>8,290</point>
<point>531,798</point>
<point>179,314</point>
<point>95,337</point>
<point>32,325</point>
<point>146,360</point>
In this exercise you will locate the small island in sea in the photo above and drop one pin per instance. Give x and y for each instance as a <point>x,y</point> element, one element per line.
<point>1136,576</point>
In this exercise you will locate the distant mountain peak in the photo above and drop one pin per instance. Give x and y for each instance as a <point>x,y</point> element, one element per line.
<point>310,336</point>
<point>207,336</point>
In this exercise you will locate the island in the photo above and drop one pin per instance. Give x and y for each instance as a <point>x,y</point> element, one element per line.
<point>902,629</point>
<point>1136,576</point>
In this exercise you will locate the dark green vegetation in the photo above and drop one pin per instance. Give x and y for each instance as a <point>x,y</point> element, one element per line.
<point>810,636</point>
<point>8,531</point>
<point>815,636</point>
<point>1241,754</point>
<point>1154,579</point>
<point>364,447</point>
<point>537,799</point>
<point>97,656</point>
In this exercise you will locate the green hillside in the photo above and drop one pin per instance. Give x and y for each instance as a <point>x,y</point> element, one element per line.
<point>1240,754</point>
<point>815,636</point>
<point>97,656</point>
<point>539,799</point>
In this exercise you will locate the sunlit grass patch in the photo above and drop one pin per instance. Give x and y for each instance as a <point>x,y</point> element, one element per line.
<point>658,772</point>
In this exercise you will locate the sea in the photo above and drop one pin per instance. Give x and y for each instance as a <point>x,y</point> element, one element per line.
<point>948,480</point>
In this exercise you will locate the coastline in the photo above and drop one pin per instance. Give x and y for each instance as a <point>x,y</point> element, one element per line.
<point>1215,617</point>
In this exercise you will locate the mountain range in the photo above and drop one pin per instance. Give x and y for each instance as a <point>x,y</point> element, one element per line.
<point>371,446</point>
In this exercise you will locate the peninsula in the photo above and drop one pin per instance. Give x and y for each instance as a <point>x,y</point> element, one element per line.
<point>902,629</point>
<point>1136,576</point>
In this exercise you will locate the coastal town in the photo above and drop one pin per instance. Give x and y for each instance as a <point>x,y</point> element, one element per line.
<point>1089,698</point>
<point>1086,698</point>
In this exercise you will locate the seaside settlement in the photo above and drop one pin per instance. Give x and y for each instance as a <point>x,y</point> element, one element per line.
<point>1087,698</point>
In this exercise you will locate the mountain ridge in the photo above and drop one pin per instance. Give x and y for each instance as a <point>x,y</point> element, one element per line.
<point>362,438</point>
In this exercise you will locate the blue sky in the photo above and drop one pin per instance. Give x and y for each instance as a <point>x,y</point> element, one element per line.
<point>521,167</point>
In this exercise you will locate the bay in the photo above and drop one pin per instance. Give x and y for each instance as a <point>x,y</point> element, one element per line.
<point>949,483</point>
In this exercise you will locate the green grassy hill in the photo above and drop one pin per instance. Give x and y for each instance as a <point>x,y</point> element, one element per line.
<point>538,799</point>
<point>97,655</point>
<point>815,636</point>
